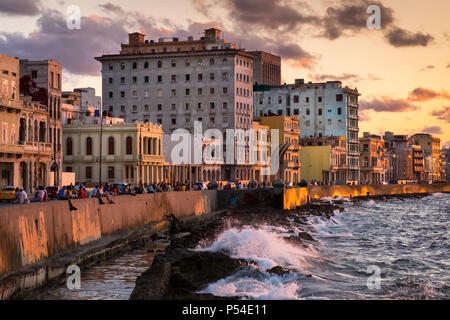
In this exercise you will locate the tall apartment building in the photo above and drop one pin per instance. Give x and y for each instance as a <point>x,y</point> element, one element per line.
<point>373,162</point>
<point>176,82</point>
<point>42,81</point>
<point>324,109</point>
<point>266,68</point>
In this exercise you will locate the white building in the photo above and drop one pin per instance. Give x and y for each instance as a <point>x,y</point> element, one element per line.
<point>174,83</point>
<point>324,109</point>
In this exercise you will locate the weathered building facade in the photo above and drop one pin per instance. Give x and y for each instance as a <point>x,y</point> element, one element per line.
<point>324,109</point>
<point>373,162</point>
<point>41,80</point>
<point>266,68</point>
<point>114,152</point>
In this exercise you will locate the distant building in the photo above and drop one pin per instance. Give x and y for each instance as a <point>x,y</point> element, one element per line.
<point>432,151</point>
<point>289,133</point>
<point>71,107</point>
<point>373,162</point>
<point>130,152</point>
<point>323,159</point>
<point>323,109</point>
<point>408,163</point>
<point>266,68</point>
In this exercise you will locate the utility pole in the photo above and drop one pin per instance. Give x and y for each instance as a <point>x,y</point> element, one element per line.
<point>101,138</point>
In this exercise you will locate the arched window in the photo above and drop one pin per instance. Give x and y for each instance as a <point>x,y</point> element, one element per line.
<point>111,146</point>
<point>129,146</point>
<point>69,146</point>
<point>89,146</point>
<point>146,64</point>
<point>211,61</point>
<point>134,65</point>
<point>159,64</point>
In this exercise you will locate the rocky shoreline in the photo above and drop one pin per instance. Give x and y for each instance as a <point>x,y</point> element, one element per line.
<point>181,272</point>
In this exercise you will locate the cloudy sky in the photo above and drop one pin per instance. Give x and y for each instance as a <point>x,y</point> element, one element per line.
<point>401,70</point>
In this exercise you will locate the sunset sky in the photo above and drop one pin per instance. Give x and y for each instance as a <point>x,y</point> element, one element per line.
<point>402,71</point>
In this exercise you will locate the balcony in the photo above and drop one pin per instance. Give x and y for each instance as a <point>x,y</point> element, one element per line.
<point>11,148</point>
<point>45,148</point>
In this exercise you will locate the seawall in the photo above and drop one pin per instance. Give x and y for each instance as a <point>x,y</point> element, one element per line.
<point>296,197</point>
<point>30,233</point>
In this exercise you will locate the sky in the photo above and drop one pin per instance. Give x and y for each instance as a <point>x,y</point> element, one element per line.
<point>402,69</point>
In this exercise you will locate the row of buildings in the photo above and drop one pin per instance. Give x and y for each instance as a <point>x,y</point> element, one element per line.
<point>152,89</point>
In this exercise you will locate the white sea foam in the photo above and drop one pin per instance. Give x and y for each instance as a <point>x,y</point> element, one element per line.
<point>263,247</point>
<point>267,287</point>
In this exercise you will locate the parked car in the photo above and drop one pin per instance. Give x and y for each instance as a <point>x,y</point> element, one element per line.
<point>7,194</point>
<point>52,193</point>
<point>230,186</point>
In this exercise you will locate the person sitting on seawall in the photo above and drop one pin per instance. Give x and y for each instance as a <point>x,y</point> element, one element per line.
<point>21,196</point>
<point>82,193</point>
<point>150,189</point>
<point>62,195</point>
<point>40,195</point>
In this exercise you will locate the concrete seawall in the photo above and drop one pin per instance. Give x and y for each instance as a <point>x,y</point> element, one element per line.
<point>30,233</point>
<point>296,197</point>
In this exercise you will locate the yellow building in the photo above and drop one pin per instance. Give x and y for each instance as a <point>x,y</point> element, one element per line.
<point>324,159</point>
<point>289,133</point>
<point>130,152</point>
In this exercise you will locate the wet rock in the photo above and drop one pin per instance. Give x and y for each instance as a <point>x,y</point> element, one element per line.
<point>305,236</point>
<point>278,270</point>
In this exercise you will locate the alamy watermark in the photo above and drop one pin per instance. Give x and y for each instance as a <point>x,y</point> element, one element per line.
<point>74,280</point>
<point>73,17</point>
<point>374,280</point>
<point>374,20</point>
<point>249,147</point>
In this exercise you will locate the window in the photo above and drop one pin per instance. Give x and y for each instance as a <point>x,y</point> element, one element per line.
<point>110,94</point>
<point>187,106</point>
<point>319,99</point>
<point>122,94</point>
<point>159,64</point>
<point>146,79</point>
<point>69,146</point>
<point>174,121</point>
<point>134,80</point>
<point>122,66</point>
<point>188,77</point>
<point>110,172</point>
<point>159,92</point>
<point>225,90</point>
<point>200,77</point>
<point>307,99</point>
<point>110,145</point>
<point>212,105</point>
<point>159,79</point>
<point>319,112</point>
<point>225,105</point>
<point>308,112</point>
<point>211,76</point>
<point>339,110</point>
<point>225,76</point>
<point>296,112</point>
<point>174,63</point>
<point>339,97</point>
<point>174,78</point>
<point>188,92</point>
<point>146,107</point>
<point>159,107</point>
<point>145,65</point>
<point>211,62</point>
<point>129,145</point>
<point>211,90</point>
<point>88,172</point>
<point>111,67</point>
<point>200,91</point>
<point>296,99</point>
<point>89,146</point>
<point>134,65</point>
<point>110,80</point>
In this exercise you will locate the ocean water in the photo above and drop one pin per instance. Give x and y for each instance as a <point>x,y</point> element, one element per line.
<point>375,249</point>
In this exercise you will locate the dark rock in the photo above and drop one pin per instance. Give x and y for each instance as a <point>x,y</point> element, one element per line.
<point>305,236</point>
<point>278,270</point>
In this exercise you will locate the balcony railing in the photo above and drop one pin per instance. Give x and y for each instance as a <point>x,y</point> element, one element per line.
<point>11,148</point>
